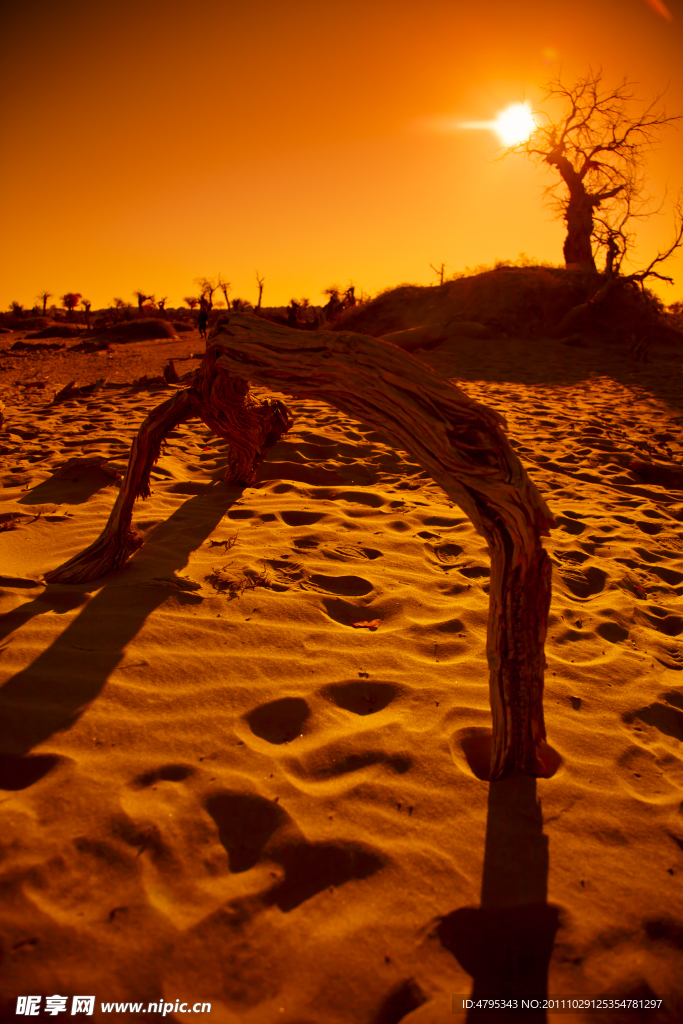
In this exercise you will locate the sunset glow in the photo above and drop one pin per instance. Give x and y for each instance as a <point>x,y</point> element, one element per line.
<point>284,140</point>
<point>514,124</point>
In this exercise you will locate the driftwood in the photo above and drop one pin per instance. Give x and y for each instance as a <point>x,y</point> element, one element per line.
<point>463,446</point>
<point>460,442</point>
<point>224,403</point>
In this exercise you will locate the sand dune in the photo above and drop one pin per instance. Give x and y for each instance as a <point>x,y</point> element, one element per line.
<point>243,770</point>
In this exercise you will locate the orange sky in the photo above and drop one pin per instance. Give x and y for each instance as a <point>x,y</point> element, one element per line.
<point>145,143</point>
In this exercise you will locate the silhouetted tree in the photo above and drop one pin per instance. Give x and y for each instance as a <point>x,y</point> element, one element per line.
<point>70,301</point>
<point>597,145</point>
<point>259,281</point>
<point>87,305</point>
<point>207,286</point>
<point>44,296</point>
<point>439,270</point>
<point>334,304</point>
<point>239,305</point>
<point>162,302</point>
<point>191,301</point>
<point>142,298</point>
<point>225,288</point>
<point>16,308</point>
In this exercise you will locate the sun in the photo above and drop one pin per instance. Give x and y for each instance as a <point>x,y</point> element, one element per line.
<point>514,124</point>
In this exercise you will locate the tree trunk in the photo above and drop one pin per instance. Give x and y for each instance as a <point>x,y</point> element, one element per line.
<point>577,245</point>
<point>463,446</point>
<point>225,405</point>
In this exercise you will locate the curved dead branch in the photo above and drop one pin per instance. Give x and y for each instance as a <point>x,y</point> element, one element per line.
<point>463,446</point>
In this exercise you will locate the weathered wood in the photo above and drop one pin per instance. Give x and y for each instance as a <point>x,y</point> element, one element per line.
<point>462,444</point>
<point>224,403</point>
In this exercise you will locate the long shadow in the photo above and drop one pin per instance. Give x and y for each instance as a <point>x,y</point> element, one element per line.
<point>51,693</point>
<point>506,943</point>
<point>549,362</point>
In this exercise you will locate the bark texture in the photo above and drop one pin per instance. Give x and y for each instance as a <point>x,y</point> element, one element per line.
<point>224,403</point>
<point>462,444</point>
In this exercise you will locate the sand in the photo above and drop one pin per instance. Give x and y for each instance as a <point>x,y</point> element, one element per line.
<point>220,784</point>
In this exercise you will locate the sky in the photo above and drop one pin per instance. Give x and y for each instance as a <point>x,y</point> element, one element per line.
<point>146,143</point>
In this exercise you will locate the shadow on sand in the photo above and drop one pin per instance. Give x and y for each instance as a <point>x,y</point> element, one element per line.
<point>506,943</point>
<point>51,693</point>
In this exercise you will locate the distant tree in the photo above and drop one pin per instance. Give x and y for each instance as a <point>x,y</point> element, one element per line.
<point>597,146</point>
<point>259,281</point>
<point>44,296</point>
<point>349,298</point>
<point>207,286</point>
<point>225,288</point>
<point>239,305</point>
<point>87,305</point>
<point>70,301</point>
<point>16,308</point>
<point>439,271</point>
<point>142,299</point>
<point>161,303</point>
<point>191,301</point>
<point>118,303</point>
<point>334,304</point>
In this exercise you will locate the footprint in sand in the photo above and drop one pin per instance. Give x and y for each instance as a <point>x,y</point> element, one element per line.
<point>345,552</point>
<point>652,529</point>
<point>361,698</point>
<point>651,777</point>
<point>369,498</point>
<point>662,718</point>
<point>663,621</point>
<point>570,525</point>
<point>348,586</point>
<point>279,721</point>
<point>300,518</point>
<point>252,828</point>
<point>671,576</point>
<point>344,612</point>
<point>584,583</point>
<point>245,824</point>
<point>445,554</point>
<point>612,632</point>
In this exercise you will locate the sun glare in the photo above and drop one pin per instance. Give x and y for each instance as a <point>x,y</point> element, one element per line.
<point>514,124</point>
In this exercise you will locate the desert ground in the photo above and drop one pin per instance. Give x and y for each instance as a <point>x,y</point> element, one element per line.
<point>219,784</point>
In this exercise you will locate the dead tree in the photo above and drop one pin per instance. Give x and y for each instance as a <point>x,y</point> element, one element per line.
<point>225,404</point>
<point>597,145</point>
<point>439,271</point>
<point>260,281</point>
<point>463,446</point>
<point>460,442</point>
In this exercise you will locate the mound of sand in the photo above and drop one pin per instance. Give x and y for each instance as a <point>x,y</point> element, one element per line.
<point>28,323</point>
<point>514,302</point>
<point>57,331</point>
<point>146,329</point>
